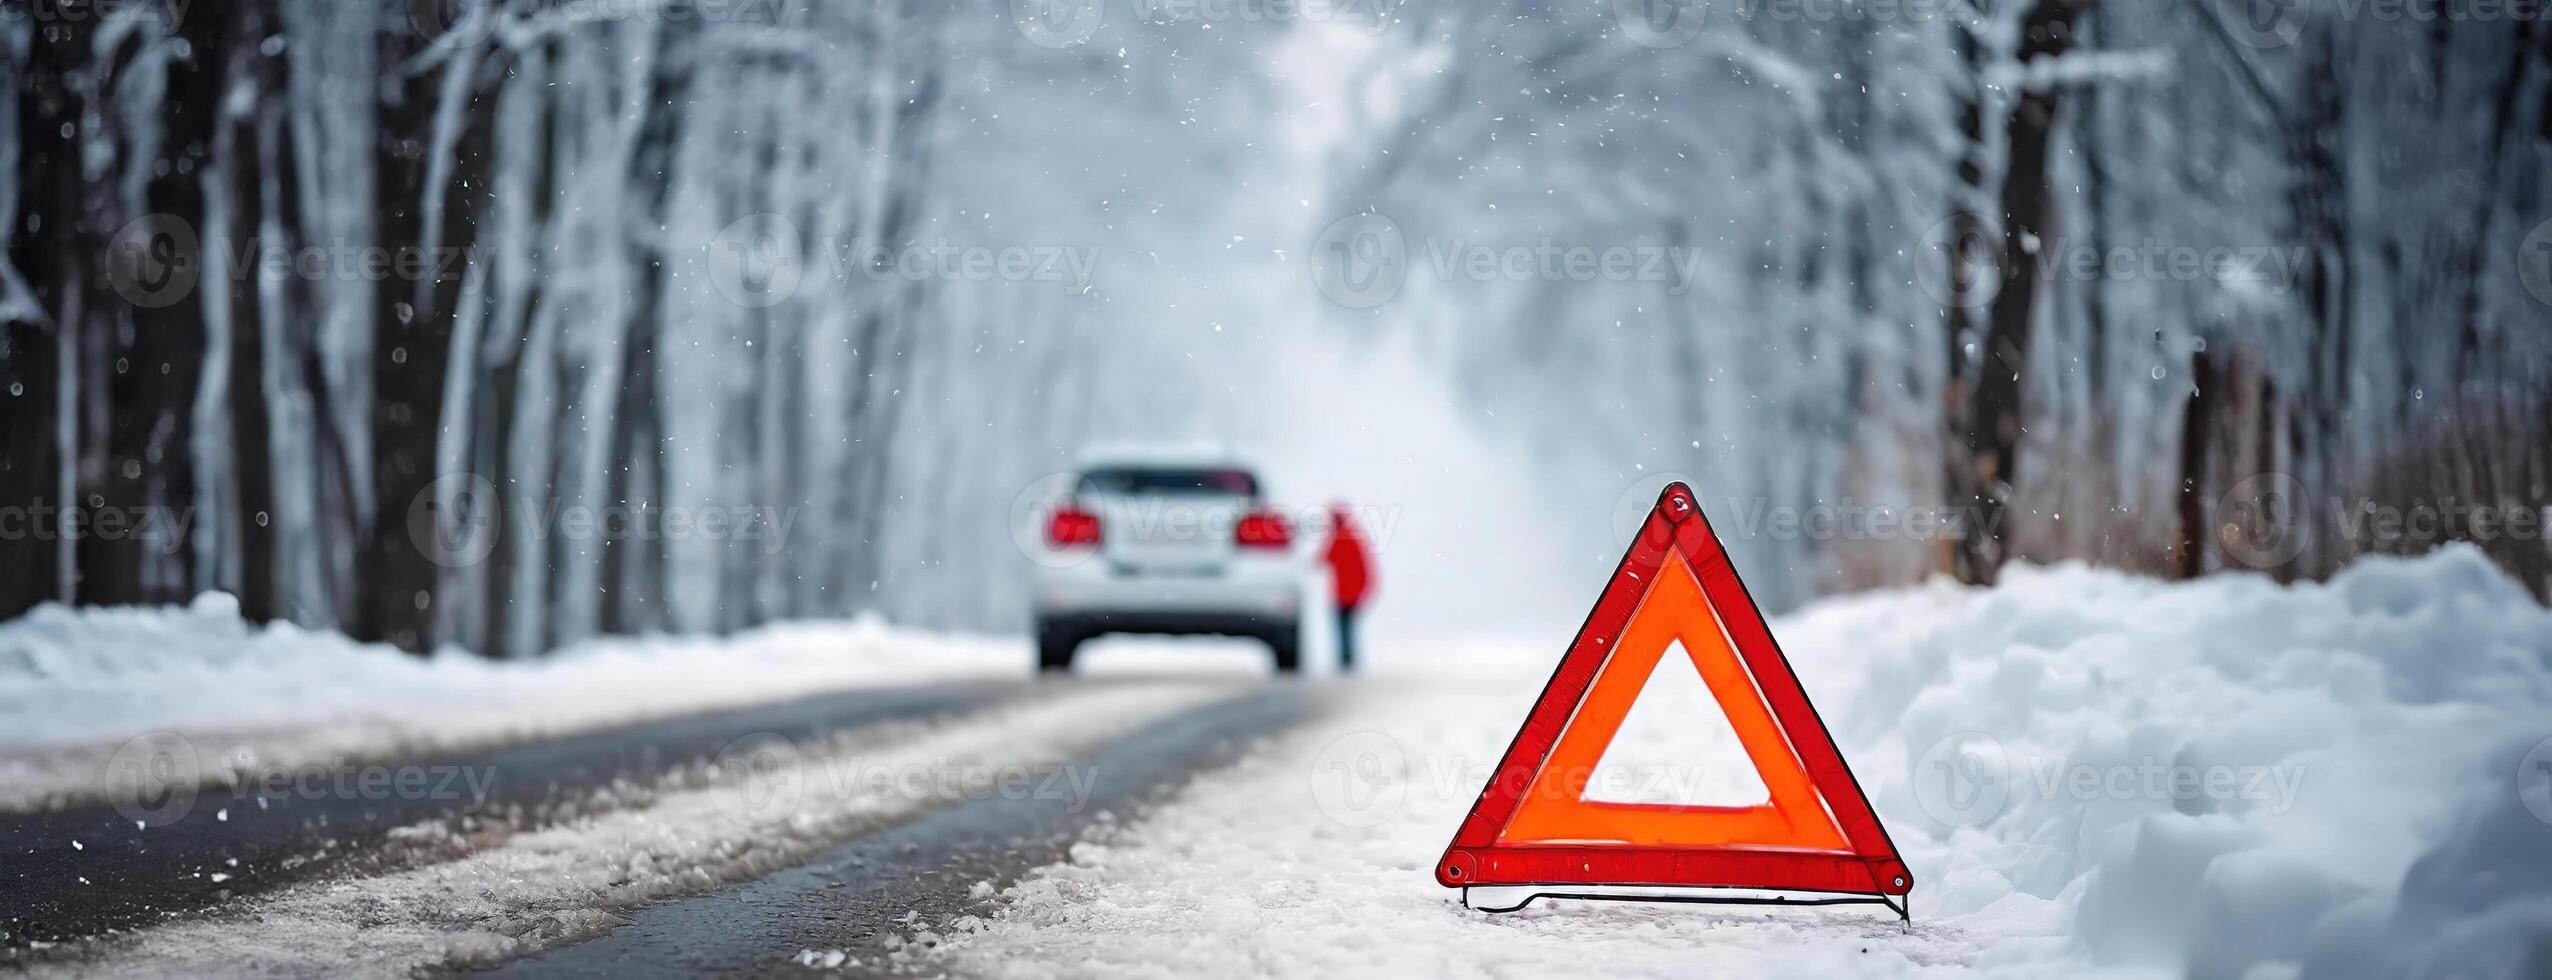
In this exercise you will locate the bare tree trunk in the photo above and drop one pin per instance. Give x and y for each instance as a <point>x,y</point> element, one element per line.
<point>633,565</point>
<point>2321,227</point>
<point>1967,235</point>
<point>2188,550</point>
<point>43,249</point>
<point>98,323</point>
<point>416,317</point>
<point>1994,419</point>
<point>240,153</point>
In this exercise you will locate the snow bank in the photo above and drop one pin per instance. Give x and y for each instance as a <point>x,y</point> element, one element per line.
<point>2089,773</point>
<point>76,683</point>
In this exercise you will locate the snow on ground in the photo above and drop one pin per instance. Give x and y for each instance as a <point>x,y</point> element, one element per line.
<point>776,806</point>
<point>2090,773</point>
<point>77,683</point>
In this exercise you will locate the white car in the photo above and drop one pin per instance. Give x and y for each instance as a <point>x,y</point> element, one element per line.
<point>1170,542</point>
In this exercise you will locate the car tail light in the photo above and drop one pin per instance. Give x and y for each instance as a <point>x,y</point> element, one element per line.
<point>1262,529</point>
<point>1072,527</point>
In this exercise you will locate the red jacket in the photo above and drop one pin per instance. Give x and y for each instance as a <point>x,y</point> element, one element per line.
<point>1350,567</point>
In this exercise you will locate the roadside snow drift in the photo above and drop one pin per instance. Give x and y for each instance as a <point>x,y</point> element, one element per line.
<point>76,683</point>
<point>2089,773</point>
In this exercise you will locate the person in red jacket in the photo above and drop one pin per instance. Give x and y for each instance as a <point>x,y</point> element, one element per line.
<point>1350,579</point>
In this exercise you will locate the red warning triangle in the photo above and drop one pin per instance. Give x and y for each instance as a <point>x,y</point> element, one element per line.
<point>1534,826</point>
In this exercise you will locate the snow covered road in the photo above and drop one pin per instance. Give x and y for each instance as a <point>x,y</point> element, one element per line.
<point>2091,775</point>
<point>840,909</point>
<point>266,833</point>
<point>772,803</point>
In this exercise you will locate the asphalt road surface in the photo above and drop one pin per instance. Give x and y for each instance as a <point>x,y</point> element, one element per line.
<point>82,888</point>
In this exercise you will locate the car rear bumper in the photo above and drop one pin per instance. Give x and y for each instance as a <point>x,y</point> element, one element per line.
<point>1179,623</point>
<point>1263,591</point>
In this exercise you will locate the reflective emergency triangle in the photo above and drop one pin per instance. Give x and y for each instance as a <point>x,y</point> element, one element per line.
<point>1531,825</point>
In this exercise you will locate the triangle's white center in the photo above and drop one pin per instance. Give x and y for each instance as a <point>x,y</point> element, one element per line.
<point>1676,747</point>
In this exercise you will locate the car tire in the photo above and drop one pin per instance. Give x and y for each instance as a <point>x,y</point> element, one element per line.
<point>1286,643</point>
<point>1055,647</point>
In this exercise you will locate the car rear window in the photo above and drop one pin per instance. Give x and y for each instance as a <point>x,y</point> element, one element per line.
<point>1149,480</point>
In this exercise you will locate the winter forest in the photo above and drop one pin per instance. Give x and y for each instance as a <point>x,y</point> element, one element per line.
<point>357,310</point>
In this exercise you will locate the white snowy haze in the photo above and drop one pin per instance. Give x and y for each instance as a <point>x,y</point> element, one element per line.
<point>864,272</point>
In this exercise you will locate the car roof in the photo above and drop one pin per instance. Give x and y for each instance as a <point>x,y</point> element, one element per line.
<point>1124,455</point>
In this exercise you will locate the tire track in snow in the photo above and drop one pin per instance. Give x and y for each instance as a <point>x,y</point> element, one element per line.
<point>539,888</point>
<point>84,872</point>
<point>930,869</point>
